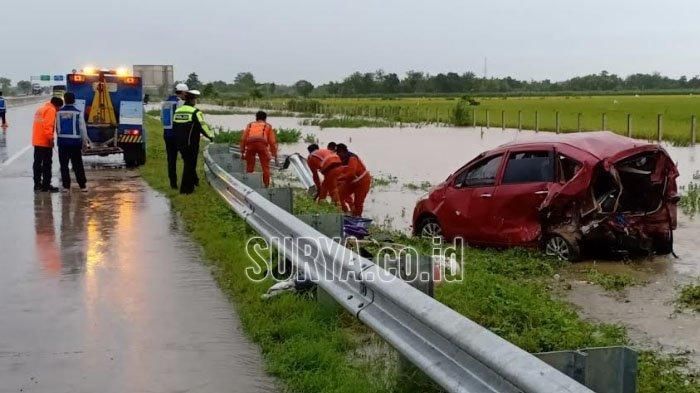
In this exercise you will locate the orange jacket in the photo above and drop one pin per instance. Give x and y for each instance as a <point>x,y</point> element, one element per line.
<point>322,160</point>
<point>44,124</point>
<point>259,131</point>
<point>355,169</point>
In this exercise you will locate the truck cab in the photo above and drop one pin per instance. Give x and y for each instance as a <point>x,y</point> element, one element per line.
<point>112,104</point>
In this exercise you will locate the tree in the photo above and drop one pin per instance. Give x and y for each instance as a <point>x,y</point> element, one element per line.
<point>303,88</point>
<point>5,85</point>
<point>24,87</point>
<point>193,81</point>
<point>244,81</point>
<point>209,91</point>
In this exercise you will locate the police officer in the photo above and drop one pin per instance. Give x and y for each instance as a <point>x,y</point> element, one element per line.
<point>188,124</point>
<point>71,136</point>
<point>3,109</point>
<point>167,111</point>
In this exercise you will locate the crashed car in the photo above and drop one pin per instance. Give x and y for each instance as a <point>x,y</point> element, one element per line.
<point>568,194</point>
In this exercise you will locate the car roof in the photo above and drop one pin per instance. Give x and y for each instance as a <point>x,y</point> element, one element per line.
<point>601,144</point>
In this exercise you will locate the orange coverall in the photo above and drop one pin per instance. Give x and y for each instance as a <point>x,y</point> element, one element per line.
<point>43,128</point>
<point>356,182</point>
<point>329,164</point>
<point>259,140</point>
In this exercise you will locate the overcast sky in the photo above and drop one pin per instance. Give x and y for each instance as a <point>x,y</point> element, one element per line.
<point>322,40</point>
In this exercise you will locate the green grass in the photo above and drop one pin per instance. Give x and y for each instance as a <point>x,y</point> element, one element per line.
<point>611,282</point>
<point>690,201</point>
<point>690,297</point>
<point>346,122</point>
<point>423,186</point>
<point>284,135</point>
<point>310,349</point>
<point>676,110</point>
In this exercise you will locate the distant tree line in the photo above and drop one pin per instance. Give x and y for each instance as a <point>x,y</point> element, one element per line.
<point>417,83</point>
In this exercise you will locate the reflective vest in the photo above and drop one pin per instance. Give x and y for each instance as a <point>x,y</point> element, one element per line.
<point>188,123</point>
<point>258,132</point>
<point>2,104</point>
<point>356,169</point>
<point>70,126</point>
<point>167,111</point>
<point>327,159</point>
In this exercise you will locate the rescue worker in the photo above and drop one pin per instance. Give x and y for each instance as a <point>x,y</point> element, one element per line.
<point>3,109</point>
<point>329,165</point>
<point>356,180</point>
<point>71,136</point>
<point>332,146</point>
<point>259,139</point>
<point>167,111</point>
<point>188,124</point>
<point>42,140</point>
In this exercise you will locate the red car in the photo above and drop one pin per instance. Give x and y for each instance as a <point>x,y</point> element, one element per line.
<point>565,193</point>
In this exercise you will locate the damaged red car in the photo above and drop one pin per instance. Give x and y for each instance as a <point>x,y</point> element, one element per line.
<point>569,194</point>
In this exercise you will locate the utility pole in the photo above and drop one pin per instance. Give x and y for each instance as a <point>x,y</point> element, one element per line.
<point>486,67</point>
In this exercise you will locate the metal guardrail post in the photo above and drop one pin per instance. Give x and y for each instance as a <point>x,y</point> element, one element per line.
<point>503,120</point>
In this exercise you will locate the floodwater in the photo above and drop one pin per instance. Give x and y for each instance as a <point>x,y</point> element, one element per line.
<point>429,153</point>
<point>105,292</point>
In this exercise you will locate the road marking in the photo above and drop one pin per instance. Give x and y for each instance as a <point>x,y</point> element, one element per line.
<point>14,157</point>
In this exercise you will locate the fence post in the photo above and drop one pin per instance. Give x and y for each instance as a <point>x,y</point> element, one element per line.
<point>437,116</point>
<point>503,120</point>
<point>520,120</point>
<point>693,129</point>
<point>488,120</point>
<point>629,125</point>
<point>557,121</point>
<point>605,122</point>
<point>474,117</point>
<point>659,127</point>
<point>578,122</point>
<point>537,121</point>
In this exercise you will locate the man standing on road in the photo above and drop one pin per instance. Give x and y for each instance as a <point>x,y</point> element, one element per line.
<point>188,124</point>
<point>259,140</point>
<point>356,180</point>
<point>42,139</point>
<point>71,134</point>
<point>329,165</point>
<point>167,111</point>
<point>3,109</point>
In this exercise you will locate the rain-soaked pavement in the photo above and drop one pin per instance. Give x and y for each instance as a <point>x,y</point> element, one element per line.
<point>430,153</point>
<point>104,291</point>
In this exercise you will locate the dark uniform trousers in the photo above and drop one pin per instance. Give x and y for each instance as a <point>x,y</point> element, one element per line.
<point>171,152</point>
<point>42,167</point>
<point>74,155</point>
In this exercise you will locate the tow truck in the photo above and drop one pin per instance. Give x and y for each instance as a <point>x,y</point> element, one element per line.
<point>112,104</point>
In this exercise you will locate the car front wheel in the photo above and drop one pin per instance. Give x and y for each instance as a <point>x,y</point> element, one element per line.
<point>561,248</point>
<point>429,228</point>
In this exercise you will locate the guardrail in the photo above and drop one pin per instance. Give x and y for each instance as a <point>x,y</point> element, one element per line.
<point>24,100</point>
<point>455,352</point>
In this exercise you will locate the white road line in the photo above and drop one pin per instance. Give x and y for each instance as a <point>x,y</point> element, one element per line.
<point>14,157</point>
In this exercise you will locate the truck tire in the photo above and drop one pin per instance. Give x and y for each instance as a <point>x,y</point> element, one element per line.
<point>130,155</point>
<point>141,154</point>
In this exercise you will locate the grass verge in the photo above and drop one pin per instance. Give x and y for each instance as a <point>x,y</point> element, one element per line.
<point>310,349</point>
<point>690,297</point>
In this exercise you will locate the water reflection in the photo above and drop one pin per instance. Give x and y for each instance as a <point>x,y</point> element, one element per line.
<point>3,146</point>
<point>45,239</point>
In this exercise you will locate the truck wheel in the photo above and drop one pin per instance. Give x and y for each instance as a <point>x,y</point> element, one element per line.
<point>141,154</point>
<point>130,156</point>
<point>664,245</point>
<point>562,248</point>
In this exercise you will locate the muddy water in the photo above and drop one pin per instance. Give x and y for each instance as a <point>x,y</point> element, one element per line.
<point>105,292</point>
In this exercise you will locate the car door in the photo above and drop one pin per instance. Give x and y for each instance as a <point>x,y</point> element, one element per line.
<point>519,194</point>
<point>468,200</point>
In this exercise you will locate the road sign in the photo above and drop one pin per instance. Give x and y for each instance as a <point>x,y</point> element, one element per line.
<point>58,78</point>
<point>45,77</point>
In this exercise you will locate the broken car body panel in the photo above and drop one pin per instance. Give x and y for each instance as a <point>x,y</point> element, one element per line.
<point>588,187</point>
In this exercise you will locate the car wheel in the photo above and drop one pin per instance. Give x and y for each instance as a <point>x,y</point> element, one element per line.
<point>559,247</point>
<point>663,245</point>
<point>429,228</point>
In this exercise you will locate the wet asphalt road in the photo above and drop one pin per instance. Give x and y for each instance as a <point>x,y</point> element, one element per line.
<point>104,292</point>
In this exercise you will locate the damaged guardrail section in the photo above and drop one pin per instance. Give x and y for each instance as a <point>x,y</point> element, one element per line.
<point>457,353</point>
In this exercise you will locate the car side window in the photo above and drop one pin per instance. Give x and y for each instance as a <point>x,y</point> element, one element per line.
<point>567,168</point>
<point>529,167</point>
<point>483,173</point>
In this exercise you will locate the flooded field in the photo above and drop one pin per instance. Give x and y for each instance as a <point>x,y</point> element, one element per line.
<point>408,157</point>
